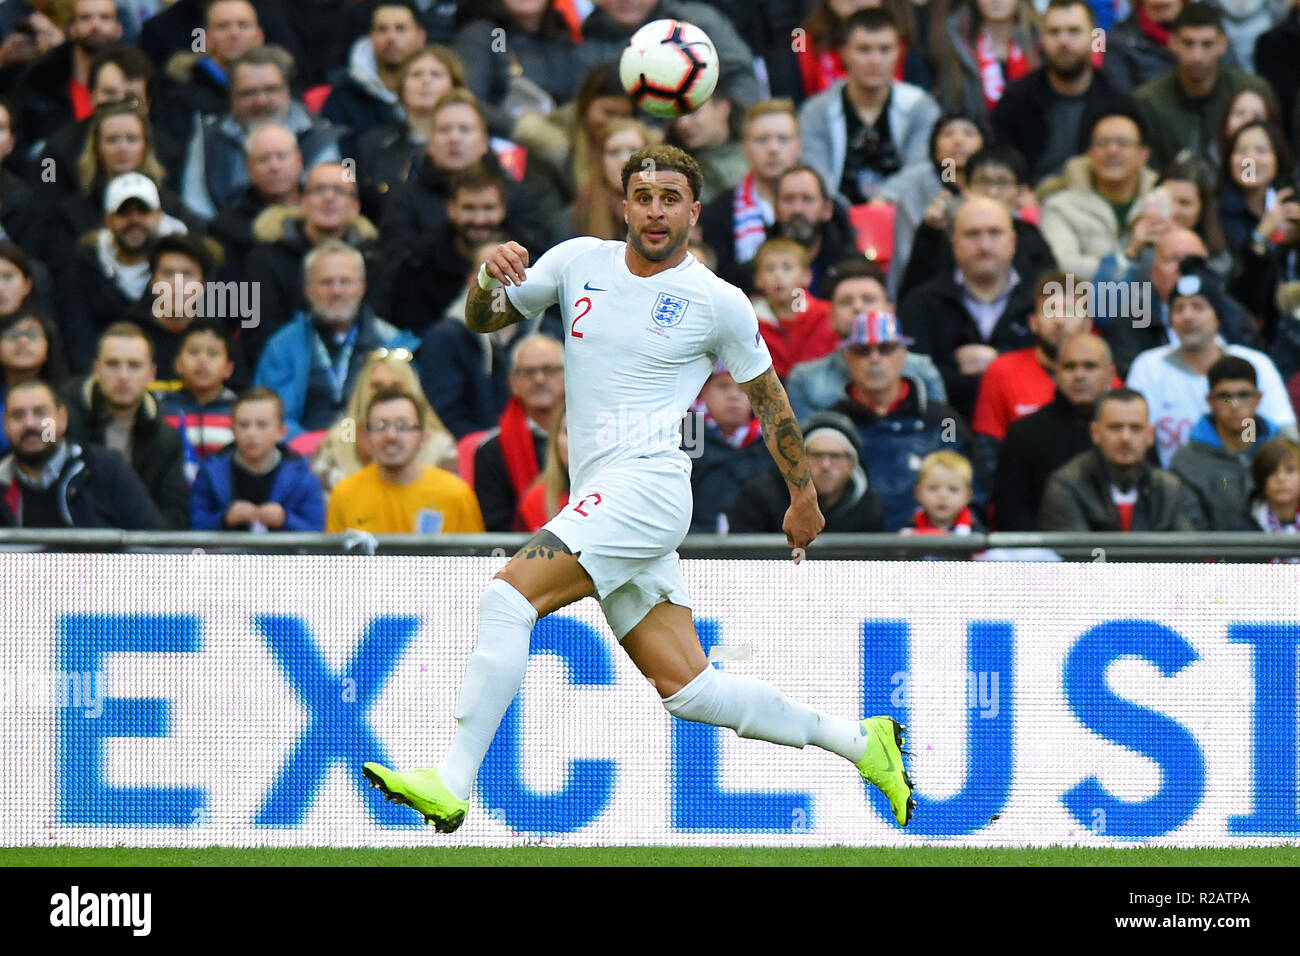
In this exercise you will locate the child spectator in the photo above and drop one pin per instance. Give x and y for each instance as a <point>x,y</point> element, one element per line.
<point>1275,503</point>
<point>258,484</point>
<point>550,492</point>
<point>795,324</point>
<point>201,408</point>
<point>943,491</point>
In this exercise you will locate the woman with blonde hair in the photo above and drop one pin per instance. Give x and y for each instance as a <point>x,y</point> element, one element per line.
<point>391,154</point>
<point>344,450</point>
<point>598,210</point>
<point>550,492</point>
<point>119,140</point>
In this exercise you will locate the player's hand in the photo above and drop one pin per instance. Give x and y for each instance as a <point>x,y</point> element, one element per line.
<point>803,521</point>
<point>507,263</point>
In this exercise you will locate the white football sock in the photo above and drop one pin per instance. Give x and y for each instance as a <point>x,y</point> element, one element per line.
<point>492,678</point>
<point>758,710</point>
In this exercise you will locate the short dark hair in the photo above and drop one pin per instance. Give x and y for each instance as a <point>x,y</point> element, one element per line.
<point>1197,13</point>
<point>1268,458</point>
<point>476,177</point>
<point>805,168</point>
<point>259,393</point>
<point>1231,367</point>
<point>997,154</point>
<point>871,20</point>
<point>191,247</point>
<point>665,158</point>
<point>209,325</point>
<point>857,267</point>
<point>123,330</point>
<point>131,60</point>
<point>1066,4</point>
<point>1124,394</point>
<point>31,383</point>
<point>396,395</point>
<point>406,5</point>
<point>1090,127</point>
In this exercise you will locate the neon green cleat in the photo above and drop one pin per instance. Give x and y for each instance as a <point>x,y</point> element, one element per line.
<point>421,790</point>
<point>882,765</point>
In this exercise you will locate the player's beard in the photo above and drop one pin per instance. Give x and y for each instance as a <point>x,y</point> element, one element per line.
<point>675,242</point>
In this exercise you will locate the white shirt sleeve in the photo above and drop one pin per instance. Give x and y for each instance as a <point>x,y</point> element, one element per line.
<point>738,344</point>
<point>1141,380</point>
<point>542,280</point>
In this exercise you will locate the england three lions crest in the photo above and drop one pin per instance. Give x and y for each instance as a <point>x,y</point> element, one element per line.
<point>668,310</point>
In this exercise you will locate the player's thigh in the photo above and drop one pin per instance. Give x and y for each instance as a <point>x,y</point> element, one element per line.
<point>547,574</point>
<point>666,649</point>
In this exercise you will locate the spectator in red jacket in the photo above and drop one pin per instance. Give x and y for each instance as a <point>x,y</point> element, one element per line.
<point>795,324</point>
<point>1020,382</point>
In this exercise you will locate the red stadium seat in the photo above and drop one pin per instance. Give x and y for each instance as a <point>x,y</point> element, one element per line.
<point>307,443</point>
<point>873,228</point>
<point>314,98</point>
<point>465,448</point>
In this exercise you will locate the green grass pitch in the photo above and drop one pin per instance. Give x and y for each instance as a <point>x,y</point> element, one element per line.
<point>650,856</point>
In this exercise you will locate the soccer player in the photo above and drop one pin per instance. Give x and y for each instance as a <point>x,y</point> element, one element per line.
<point>646,322</point>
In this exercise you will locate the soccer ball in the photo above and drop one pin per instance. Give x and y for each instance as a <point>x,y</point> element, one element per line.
<point>670,67</point>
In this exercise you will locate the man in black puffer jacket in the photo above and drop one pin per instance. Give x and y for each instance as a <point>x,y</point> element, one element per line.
<point>61,484</point>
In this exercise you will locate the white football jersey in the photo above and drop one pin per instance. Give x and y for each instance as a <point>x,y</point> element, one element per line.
<point>637,350</point>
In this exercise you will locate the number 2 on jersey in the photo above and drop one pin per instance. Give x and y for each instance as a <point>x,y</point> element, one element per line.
<point>573,327</point>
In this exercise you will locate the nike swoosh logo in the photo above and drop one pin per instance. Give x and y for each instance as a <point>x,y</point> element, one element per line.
<point>591,288</point>
<point>889,761</point>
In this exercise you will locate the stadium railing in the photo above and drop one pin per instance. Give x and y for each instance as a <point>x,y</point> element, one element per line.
<point>1163,547</point>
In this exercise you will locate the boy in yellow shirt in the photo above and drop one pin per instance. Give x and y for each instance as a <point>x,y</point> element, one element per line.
<point>396,493</point>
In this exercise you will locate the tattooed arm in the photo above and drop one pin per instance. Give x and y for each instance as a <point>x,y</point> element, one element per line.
<point>803,521</point>
<point>487,311</point>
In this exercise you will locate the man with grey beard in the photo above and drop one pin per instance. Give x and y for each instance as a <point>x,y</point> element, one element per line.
<point>312,363</point>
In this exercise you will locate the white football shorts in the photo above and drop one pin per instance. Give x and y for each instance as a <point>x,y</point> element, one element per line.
<point>625,525</point>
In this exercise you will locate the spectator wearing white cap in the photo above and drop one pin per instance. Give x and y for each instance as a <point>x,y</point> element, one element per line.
<point>109,271</point>
<point>843,494</point>
<point>897,423</point>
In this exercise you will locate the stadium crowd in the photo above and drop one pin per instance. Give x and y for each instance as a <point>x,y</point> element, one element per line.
<point>1021,265</point>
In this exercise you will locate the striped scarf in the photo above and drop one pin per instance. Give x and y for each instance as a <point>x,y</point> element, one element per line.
<point>751,227</point>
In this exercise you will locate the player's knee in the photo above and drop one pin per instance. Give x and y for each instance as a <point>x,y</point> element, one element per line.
<point>503,604</point>
<point>693,700</point>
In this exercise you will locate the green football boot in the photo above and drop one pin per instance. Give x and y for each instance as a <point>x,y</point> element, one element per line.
<point>882,765</point>
<point>421,790</point>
